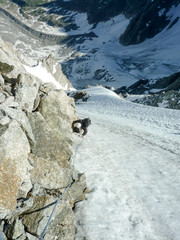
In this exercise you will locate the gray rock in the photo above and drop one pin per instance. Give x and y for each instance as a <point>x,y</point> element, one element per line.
<point>2,97</point>
<point>19,116</point>
<point>56,70</point>
<point>31,237</point>
<point>23,205</point>
<point>14,150</point>
<point>49,174</point>
<point>27,91</point>
<point>170,99</point>
<point>1,80</point>
<point>16,230</point>
<point>10,102</point>
<point>47,87</point>
<point>62,224</point>
<point>9,62</point>
<point>4,120</point>
<point>78,188</point>
<point>48,144</point>
<point>59,112</point>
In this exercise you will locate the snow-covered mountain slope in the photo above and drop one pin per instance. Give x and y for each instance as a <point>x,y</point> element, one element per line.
<point>131,159</point>
<point>101,59</point>
<point>107,62</point>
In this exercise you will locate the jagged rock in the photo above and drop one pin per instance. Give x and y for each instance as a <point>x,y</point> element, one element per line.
<point>23,205</point>
<point>16,230</point>
<point>48,144</point>
<point>47,87</point>
<point>2,97</point>
<point>27,91</point>
<point>35,152</point>
<point>170,99</point>
<point>49,174</point>
<point>59,112</point>
<point>79,95</point>
<point>1,80</point>
<point>171,82</point>
<point>14,150</point>
<point>19,116</point>
<point>9,62</point>
<point>4,120</point>
<point>77,189</point>
<point>10,102</point>
<point>31,237</point>
<point>56,70</point>
<point>148,22</point>
<point>62,224</point>
<point>5,68</point>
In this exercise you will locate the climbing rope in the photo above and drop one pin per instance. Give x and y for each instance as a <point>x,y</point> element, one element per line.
<point>65,191</point>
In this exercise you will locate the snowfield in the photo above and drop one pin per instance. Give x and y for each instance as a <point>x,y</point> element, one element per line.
<point>131,158</point>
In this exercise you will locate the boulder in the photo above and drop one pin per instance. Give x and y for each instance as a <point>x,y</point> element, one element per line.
<point>59,112</point>
<point>78,188</point>
<point>14,150</point>
<point>49,144</point>
<point>49,174</point>
<point>27,91</point>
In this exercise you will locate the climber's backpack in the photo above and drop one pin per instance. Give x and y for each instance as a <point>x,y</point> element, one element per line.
<point>86,122</point>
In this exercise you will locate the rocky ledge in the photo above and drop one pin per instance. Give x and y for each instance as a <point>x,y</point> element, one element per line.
<point>163,92</point>
<point>36,148</point>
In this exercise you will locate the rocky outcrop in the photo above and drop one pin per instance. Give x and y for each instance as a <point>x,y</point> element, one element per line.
<point>36,148</point>
<point>142,86</point>
<point>163,92</point>
<point>149,19</point>
<point>56,70</point>
<point>170,99</point>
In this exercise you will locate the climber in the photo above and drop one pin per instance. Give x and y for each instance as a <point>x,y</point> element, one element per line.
<point>81,124</point>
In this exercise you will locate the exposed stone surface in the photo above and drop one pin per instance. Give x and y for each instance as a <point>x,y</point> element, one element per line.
<point>163,92</point>
<point>14,149</point>
<point>53,108</point>
<point>35,154</point>
<point>171,82</point>
<point>16,230</point>
<point>27,91</point>
<point>61,227</point>
<point>170,99</point>
<point>49,174</point>
<point>56,70</point>
<point>48,143</point>
<point>9,62</point>
<point>78,188</point>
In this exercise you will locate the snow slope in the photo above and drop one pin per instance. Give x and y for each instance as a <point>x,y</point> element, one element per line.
<point>131,159</point>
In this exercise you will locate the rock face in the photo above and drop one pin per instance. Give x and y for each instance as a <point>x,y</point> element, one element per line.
<point>148,21</point>
<point>35,154</point>
<point>56,70</point>
<point>170,99</point>
<point>147,18</point>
